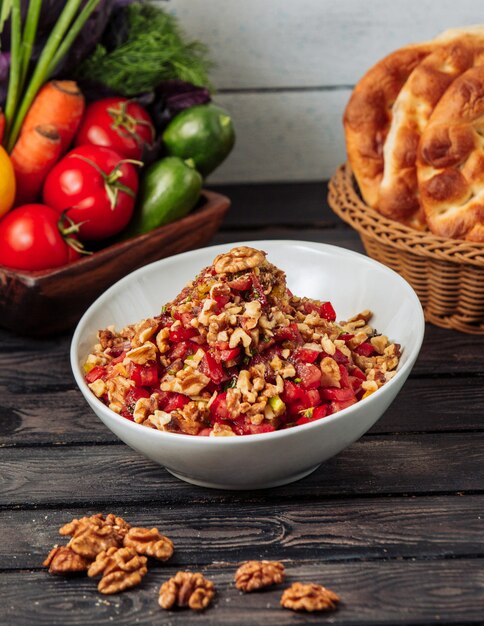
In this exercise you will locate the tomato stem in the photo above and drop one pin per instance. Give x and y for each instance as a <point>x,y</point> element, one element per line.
<point>73,227</point>
<point>112,184</point>
<point>125,124</point>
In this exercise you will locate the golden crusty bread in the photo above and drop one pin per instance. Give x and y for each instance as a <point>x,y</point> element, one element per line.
<point>368,114</point>
<point>450,162</point>
<point>398,196</point>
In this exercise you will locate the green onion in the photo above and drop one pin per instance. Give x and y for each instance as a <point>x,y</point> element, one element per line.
<point>5,10</point>
<point>72,34</point>
<point>15,61</point>
<point>28,38</point>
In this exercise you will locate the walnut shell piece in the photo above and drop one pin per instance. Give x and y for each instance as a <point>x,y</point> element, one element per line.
<point>63,560</point>
<point>149,542</point>
<point>121,568</point>
<point>253,575</point>
<point>309,597</point>
<point>187,589</point>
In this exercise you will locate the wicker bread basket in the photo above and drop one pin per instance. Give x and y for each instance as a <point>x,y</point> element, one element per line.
<point>447,274</point>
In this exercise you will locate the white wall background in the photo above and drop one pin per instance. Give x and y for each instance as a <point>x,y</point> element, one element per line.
<point>285,69</point>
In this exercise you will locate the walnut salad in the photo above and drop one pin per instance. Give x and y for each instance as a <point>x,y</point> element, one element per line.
<point>236,353</point>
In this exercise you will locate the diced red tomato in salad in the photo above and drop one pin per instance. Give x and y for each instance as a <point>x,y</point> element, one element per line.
<point>145,375</point>
<point>309,374</point>
<point>97,372</point>
<point>306,354</point>
<point>218,408</point>
<point>182,334</point>
<point>290,332</point>
<point>132,397</point>
<point>174,401</point>
<point>365,349</point>
<point>213,369</point>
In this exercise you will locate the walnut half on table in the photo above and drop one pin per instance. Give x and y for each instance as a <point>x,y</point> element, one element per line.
<point>309,597</point>
<point>121,568</point>
<point>254,575</point>
<point>63,560</point>
<point>187,589</point>
<point>149,542</point>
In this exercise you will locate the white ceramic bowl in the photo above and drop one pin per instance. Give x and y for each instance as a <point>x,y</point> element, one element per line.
<point>351,281</point>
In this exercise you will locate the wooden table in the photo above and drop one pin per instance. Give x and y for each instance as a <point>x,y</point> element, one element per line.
<point>394,523</point>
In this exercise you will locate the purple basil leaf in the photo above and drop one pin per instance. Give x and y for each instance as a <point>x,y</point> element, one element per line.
<point>4,69</point>
<point>173,96</point>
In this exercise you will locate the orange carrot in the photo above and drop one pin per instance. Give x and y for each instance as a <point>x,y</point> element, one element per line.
<point>33,156</point>
<point>61,104</point>
<point>2,125</point>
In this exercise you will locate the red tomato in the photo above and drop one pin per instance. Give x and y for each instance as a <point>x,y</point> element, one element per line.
<point>33,237</point>
<point>305,354</point>
<point>96,188</point>
<point>218,409</point>
<point>309,374</point>
<point>96,373</point>
<point>119,124</point>
<point>145,375</point>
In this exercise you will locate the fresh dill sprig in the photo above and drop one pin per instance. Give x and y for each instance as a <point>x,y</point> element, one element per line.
<point>155,49</point>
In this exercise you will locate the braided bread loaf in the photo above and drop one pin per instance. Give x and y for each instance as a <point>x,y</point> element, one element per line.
<point>451,160</point>
<point>389,111</point>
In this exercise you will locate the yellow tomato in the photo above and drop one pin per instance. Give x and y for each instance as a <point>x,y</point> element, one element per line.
<point>7,182</point>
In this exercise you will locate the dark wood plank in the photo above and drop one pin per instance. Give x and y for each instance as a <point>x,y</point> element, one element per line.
<point>58,417</point>
<point>428,404</point>
<point>277,203</point>
<point>390,593</point>
<point>343,530</point>
<point>342,237</point>
<point>371,466</point>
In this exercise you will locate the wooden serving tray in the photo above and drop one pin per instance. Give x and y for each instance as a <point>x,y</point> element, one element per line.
<point>52,301</point>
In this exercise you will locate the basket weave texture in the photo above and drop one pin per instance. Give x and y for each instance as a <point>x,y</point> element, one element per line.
<point>447,274</point>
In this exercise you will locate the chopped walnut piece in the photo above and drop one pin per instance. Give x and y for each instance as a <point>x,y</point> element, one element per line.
<point>370,386</point>
<point>143,354</point>
<point>239,336</point>
<point>253,575</point>
<point>238,260</point>
<point>188,381</point>
<point>208,309</point>
<point>149,542</point>
<point>144,331</point>
<point>63,560</point>
<point>107,338</point>
<point>187,589</point>
<point>117,389</point>
<point>98,387</point>
<point>121,568</point>
<point>380,342</point>
<point>221,430</point>
<point>190,418</point>
<point>309,597</point>
<point>162,342</point>
<point>251,314</point>
<point>145,407</point>
<point>364,315</point>
<point>330,373</point>
<point>159,420</point>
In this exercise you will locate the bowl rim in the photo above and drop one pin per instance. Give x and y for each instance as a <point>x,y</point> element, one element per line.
<point>419,329</point>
